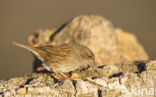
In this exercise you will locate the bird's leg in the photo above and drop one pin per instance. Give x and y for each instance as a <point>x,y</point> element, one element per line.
<point>62,75</point>
<point>72,77</point>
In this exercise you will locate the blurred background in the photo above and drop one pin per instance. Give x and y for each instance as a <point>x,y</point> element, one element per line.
<point>19,18</point>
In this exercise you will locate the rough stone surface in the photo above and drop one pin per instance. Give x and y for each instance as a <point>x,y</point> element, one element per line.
<point>110,45</point>
<point>137,81</point>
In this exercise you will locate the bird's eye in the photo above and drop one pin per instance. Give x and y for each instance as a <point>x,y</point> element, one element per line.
<point>89,57</point>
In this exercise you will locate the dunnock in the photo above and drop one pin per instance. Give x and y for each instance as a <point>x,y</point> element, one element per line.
<point>62,58</point>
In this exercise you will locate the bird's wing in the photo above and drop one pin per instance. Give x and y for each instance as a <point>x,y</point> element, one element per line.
<point>59,54</point>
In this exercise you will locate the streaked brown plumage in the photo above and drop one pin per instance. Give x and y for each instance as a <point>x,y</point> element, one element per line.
<point>62,58</point>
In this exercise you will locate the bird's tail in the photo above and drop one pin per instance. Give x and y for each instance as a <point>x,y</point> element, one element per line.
<point>29,48</point>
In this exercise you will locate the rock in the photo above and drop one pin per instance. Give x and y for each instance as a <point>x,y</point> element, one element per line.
<point>131,83</point>
<point>110,45</point>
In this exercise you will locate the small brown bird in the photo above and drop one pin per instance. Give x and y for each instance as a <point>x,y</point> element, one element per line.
<point>62,58</point>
